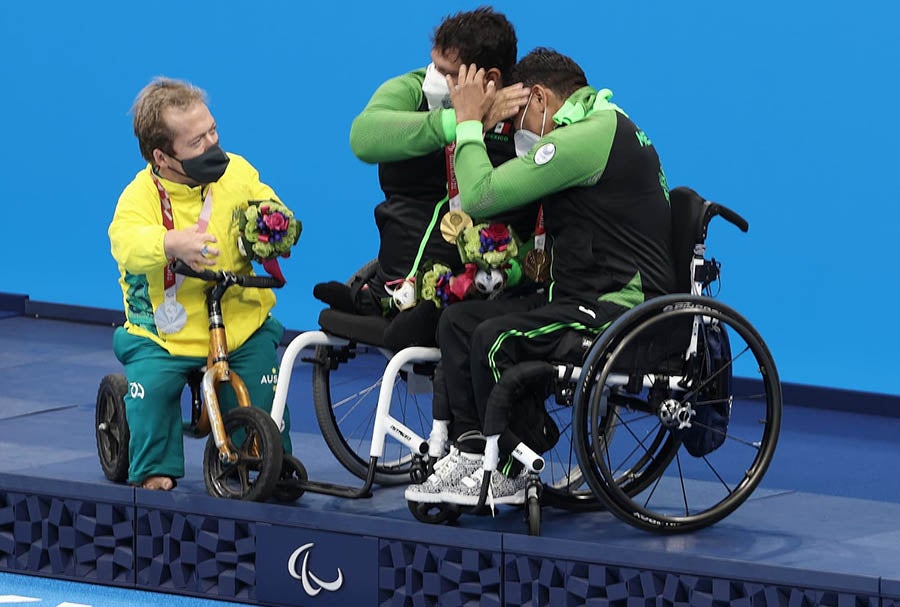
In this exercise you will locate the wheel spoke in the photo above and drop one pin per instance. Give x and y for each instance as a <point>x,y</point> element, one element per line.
<point>360,396</point>
<point>718,476</point>
<point>727,435</point>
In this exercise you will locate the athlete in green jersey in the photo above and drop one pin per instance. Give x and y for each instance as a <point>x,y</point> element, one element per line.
<point>606,212</point>
<point>408,128</point>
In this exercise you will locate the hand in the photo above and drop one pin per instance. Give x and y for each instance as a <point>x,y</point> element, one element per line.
<point>191,246</point>
<point>470,96</point>
<point>507,103</point>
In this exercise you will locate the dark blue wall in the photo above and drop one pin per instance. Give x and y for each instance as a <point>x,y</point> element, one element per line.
<point>783,111</point>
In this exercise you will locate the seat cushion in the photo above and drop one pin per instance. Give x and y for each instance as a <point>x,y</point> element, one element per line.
<point>355,327</point>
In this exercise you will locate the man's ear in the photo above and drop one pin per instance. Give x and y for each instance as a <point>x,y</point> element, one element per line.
<point>158,157</point>
<point>494,75</point>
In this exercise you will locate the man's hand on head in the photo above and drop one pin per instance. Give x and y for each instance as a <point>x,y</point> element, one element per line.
<point>470,97</point>
<point>507,103</point>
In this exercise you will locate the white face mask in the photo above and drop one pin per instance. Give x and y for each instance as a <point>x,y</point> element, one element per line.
<point>525,139</point>
<point>435,88</point>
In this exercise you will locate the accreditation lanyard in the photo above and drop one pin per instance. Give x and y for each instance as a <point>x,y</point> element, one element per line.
<point>172,282</point>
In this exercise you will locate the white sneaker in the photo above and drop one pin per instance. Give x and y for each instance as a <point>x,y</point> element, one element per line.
<point>447,471</point>
<point>502,490</point>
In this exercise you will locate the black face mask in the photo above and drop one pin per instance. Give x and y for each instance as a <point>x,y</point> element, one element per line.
<point>208,167</point>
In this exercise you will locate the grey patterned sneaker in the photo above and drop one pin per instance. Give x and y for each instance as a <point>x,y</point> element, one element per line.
<point>502,490</point>
<point>448,470</point>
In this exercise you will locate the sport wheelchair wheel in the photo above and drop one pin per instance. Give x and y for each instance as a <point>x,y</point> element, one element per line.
<point>345,395</point>
<point>112,427</point>
<point>674,443</point>
<point>255,439</point>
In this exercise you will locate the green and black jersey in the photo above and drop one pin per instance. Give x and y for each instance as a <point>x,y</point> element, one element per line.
<point>606,207</point>
<point>397,131</point>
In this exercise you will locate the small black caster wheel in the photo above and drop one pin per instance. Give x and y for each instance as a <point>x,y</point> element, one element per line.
<point>289,487</point>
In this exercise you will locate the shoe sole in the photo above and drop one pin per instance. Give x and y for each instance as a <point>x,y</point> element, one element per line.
<point>516,499</point>
<point>424,498</point>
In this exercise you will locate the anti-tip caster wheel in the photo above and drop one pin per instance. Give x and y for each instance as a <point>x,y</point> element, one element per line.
<point>434,514</point>
<point>533,515</point>
<point>289,486</point>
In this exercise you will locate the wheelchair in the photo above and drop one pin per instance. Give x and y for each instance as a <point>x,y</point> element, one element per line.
<point>669,423</point>
<point>665,436</point>
<point>244,457</point>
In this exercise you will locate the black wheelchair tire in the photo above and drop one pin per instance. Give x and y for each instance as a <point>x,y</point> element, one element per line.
<point>601,362</point>
<point>111,427</point>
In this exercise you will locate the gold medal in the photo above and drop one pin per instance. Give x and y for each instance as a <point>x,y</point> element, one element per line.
<point>453,223</point>
<point>537,265</point>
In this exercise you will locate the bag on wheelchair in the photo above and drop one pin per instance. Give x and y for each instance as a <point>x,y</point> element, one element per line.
<point>709,426</point>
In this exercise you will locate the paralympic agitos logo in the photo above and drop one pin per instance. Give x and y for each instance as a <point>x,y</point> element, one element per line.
<point>312,584</point>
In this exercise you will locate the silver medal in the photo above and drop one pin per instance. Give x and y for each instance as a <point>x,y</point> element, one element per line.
<point>170,316</point>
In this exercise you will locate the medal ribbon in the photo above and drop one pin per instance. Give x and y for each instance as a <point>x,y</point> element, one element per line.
<point>539,237</point>
<point>171,281</point>
<point>452,185</point>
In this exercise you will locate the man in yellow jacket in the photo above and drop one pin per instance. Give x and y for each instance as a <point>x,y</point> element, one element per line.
<point>181,206</point>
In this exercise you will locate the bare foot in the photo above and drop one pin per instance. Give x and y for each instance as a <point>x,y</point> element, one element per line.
<point>158,483</point>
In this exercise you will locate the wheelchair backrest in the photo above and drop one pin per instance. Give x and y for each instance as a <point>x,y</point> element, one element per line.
<point>688,229</point>
<point>691,215</point>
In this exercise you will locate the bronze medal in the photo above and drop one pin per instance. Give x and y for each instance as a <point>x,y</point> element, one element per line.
<point>537,265</point>
<point>453,224</point>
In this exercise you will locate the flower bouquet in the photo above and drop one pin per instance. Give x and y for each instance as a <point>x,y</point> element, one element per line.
<point>433,284</point>
<point>492,249</point>
<point>487,245</point>
<point>266,231</point>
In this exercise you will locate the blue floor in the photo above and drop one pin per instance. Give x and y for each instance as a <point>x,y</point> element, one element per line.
<point>828,507</point>
<point>20,590</point>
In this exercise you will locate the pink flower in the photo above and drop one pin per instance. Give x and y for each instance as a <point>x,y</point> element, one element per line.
<point>276,222</point>
<point>461,285</point>
<point>497,232</point>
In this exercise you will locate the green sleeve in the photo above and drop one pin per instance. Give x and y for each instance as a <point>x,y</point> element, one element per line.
<point>579,155</point>
<point>391,128</point>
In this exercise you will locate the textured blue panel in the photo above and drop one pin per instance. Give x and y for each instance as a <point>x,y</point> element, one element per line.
<point>413,574</point>
<point>90,541</point>
<point>195,553</point>
<point>532,581</point>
